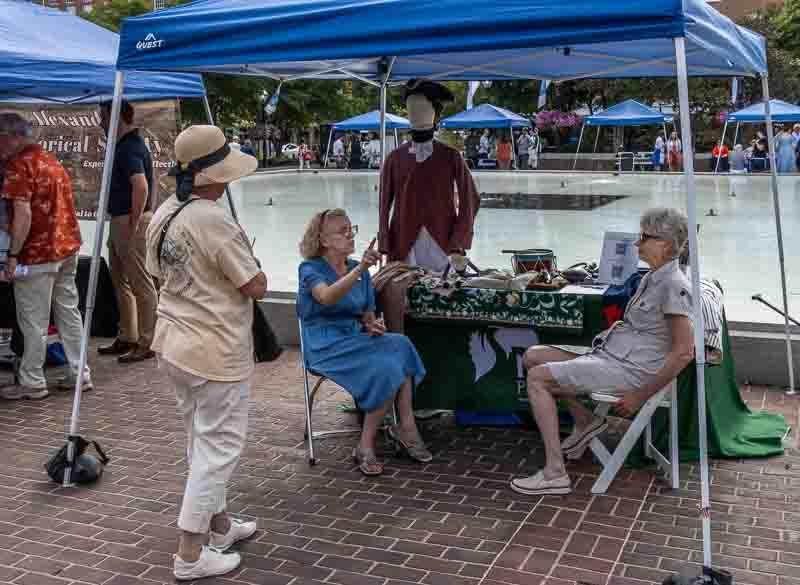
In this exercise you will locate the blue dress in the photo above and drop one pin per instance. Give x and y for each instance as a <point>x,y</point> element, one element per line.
<point>371,369</point>
<point>785,155</point>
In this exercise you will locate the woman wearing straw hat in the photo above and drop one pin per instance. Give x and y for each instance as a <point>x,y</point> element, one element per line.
<point>209,278</point>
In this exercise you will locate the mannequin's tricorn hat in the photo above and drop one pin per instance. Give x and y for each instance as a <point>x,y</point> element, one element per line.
<point>435,92</point>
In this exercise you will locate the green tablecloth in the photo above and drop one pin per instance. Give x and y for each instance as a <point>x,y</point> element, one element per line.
<point>733,429</point>
<point>475,365</point>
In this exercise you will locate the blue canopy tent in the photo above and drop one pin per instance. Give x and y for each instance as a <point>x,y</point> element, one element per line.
<point>393,40</point>
<point>487,116</point>
<point>756,114</point>
<point>370,121</point>
<point>627,113</point>
<point>56,57</point>
<point>78,68</point>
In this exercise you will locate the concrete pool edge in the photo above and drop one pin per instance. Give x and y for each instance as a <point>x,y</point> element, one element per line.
<point>759,349</point>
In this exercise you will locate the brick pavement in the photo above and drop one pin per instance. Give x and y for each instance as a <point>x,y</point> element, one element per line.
<point>454,521</point>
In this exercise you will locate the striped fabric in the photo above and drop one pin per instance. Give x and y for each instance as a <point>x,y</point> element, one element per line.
<point>711,302</point>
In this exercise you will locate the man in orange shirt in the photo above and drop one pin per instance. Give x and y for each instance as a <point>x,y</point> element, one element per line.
<point>45,240</point>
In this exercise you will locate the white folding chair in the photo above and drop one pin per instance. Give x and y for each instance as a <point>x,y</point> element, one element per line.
<point>667,397</point>
<point>309,394</point>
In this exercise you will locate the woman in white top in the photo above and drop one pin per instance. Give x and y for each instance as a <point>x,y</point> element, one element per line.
<point>659,154</point>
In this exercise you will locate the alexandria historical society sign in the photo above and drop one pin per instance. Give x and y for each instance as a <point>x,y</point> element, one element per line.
<point>73,134</point>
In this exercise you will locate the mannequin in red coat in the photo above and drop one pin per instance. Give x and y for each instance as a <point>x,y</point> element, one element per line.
<point>428,199</point>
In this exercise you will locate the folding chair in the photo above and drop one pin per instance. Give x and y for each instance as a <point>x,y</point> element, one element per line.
<point>667,397</point>
<point>309,395</point>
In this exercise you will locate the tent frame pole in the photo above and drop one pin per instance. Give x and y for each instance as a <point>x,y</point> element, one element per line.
<point>596,140</point>
<point>736,134</point>
<point>210,118</point>
<point>779,229</point>
<point>328,149</point>
<point>577,150</point>
<point>513,146</point>
<point>384,92</point>
<point>91,293</point>
<point>697,310</point>
<point>721,141</point>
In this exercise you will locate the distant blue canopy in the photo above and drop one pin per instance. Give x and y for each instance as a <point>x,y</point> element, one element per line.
<point>485,116</point>
<point>50,55</point>
<point>628,113</point>
<point>440,39</point>
<point>779,110</point>
<point>372,121</point>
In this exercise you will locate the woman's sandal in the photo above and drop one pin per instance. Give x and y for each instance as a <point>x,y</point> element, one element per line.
<point>367,462</point>
<point>415,450</point>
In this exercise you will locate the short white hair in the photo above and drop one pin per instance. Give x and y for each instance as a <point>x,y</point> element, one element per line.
<point>668,224</point>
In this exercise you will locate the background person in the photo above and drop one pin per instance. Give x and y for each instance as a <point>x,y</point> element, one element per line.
<point>46,239</point>
<point>345,342</point>
<point>785,153</point>
<point>674,153</point>
<point>721,152</point>
<point>633,359</point>
<point>209,279</point>
<point>504,153</point>
<point>523,144</point>
<point>659,158</point>
<point>130,206</point>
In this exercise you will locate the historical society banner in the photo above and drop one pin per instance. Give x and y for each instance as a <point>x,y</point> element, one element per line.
<point>73,134</point>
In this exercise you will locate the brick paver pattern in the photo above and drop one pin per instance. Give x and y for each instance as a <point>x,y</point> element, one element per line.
<point>454,521</point>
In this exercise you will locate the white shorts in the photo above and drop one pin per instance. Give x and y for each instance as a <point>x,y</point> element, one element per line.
<point>598,372</point>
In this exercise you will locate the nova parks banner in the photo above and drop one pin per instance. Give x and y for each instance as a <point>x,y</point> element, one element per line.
<point>73,134</point>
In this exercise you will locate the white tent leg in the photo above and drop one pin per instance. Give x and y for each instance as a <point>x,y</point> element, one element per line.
<point>91,292</point>
<point>736,135</point>
<point>721,141</point>
<point>328,149</point>
<point>777,206</point>
<point>383,122</point>
<point>227,189</point>
<point>577,150</point>
<point>513,147</point>
<point>596,140</point>
<point>697,311</point>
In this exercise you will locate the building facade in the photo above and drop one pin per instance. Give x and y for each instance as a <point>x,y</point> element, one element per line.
<point>738,8</point>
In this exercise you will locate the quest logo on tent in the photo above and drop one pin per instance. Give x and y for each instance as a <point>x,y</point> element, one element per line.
<point>149,42</point>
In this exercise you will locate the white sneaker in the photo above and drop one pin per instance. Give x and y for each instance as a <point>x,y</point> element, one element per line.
<point>579,438</point>
<point>238,531</point>
<point>68,383</point>
<point>210,564</point>
<point>20,392</point>
<point>537,485</point>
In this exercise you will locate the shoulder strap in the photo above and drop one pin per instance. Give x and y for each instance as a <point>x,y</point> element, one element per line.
<point>164,229</point>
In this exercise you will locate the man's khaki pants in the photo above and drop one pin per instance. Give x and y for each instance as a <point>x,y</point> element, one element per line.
<point>48,286</point>
<point>136,294</point>
<point>215,417</point>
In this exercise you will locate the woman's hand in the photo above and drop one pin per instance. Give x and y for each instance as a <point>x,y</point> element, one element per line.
<point>371,257</point>
<point>630,403</point>
<point>373,326</point>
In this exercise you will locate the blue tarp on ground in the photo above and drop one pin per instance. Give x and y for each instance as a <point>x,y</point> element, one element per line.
<point>372,121</point>
<point>779,110</point>
<point>442,39</point>
<point>50,55</point>
<point>628,113</point>
<point>485,116</point>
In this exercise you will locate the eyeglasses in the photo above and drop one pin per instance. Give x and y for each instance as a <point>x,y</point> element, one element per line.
<point>643,237</point>
<point>348,231</point>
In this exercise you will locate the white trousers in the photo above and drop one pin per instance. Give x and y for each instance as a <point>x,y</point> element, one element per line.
<point>48,286</point>
<point>215,417</point>
<point>427,253</point>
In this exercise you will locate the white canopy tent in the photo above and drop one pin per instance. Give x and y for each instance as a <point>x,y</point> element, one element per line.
<point>395,40</point>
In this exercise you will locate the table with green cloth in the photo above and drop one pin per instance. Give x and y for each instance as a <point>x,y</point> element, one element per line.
<point>472,341</point>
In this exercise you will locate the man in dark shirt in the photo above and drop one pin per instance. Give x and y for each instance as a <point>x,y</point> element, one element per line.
<point>130,207</point>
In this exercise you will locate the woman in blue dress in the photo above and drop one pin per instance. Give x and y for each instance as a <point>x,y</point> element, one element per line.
<point>345,342</point>
<point>785,152</point>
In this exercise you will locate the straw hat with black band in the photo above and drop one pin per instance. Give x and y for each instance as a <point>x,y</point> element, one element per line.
<point>203,157</point>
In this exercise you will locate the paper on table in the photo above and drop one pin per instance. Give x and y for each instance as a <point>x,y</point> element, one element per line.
<point>619,258</point>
